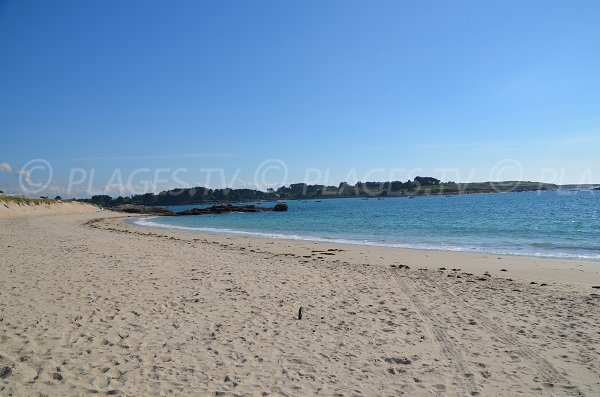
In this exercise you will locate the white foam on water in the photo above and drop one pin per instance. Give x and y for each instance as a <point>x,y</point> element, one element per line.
<point>147,222</point>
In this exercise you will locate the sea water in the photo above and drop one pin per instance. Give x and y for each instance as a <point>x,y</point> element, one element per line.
<point>563,224</point>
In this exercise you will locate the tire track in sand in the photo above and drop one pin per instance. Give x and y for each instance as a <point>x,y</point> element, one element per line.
<point>545,370</point>
<point>465,384</point>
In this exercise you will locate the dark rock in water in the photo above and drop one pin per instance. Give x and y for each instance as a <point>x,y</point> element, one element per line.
<point>281,207</point>
<point>223,209</point>
<point>215,209</point>
<point>5,372</point>
<point>142,209</point>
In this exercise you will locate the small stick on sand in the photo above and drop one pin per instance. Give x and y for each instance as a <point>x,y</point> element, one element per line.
<point>300,313</point>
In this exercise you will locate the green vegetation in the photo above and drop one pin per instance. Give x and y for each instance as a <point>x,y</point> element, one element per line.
<point>418,186</point>
<point>26,201</point>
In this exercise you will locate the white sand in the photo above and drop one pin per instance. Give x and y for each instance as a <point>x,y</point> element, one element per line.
<point>112,309</point>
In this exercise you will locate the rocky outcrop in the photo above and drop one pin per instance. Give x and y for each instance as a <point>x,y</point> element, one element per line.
<point>142,209</point>
<point>281,207</point>
<point>215,209</point>
<point>223,209</point>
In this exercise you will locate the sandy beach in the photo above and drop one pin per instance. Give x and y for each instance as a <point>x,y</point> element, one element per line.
<point>91,305</point>
<point>278,198</point>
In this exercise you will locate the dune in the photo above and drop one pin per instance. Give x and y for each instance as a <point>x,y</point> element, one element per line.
<point>14,207</point>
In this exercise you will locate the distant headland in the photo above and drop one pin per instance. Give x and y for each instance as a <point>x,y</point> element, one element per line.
<point>419,186</point>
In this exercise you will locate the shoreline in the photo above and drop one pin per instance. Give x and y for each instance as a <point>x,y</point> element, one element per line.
<point>95,306</point>
<point>523,267</point>
<point>290,237</point>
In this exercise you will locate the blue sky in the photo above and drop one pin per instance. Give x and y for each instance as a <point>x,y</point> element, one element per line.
<point>357,90</point>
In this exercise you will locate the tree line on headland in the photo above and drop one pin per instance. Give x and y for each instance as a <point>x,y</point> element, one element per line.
<point>417,186</point>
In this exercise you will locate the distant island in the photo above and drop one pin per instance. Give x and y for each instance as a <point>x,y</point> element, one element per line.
<point>417,187</point>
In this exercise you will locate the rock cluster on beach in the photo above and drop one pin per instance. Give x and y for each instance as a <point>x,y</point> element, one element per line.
<point>215,209</point>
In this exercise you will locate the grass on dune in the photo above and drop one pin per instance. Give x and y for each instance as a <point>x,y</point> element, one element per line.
<point>26,201</point>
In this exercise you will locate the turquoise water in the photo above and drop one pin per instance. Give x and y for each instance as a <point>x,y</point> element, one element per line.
<point>553,224</point>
